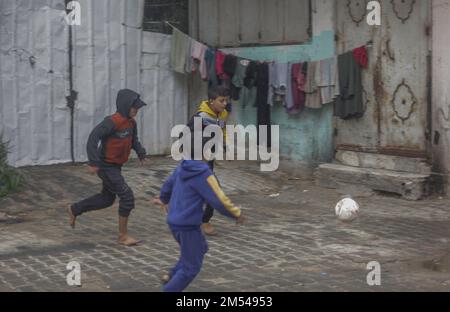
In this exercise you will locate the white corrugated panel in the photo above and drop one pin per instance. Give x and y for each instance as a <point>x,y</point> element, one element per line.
<point>110,52</point>
<point>106,58</point>
<point>33,75</point>
<point>165,92</point>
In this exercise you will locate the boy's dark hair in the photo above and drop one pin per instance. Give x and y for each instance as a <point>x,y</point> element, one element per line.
<point>215,92</point>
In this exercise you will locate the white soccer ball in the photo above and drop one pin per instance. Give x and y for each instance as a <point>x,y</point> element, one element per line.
<point>347,210</point>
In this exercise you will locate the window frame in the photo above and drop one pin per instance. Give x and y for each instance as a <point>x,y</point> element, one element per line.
<point>164,28</point>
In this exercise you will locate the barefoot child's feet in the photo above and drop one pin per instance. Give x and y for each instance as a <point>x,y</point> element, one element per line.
<point>72,218</point>
<point>165,278</point>
<point>208,229</point>
<point>128,241</point>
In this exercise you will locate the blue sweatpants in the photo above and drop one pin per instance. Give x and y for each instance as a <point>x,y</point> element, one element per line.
<point>193,247</point>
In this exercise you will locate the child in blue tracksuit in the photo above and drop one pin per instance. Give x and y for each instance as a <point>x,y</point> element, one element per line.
<point>187,189</point>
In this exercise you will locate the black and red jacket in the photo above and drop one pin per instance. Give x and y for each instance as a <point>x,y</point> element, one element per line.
<point>117,134</point>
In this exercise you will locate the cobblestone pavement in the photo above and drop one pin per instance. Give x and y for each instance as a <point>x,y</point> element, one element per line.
<point>292,242</point>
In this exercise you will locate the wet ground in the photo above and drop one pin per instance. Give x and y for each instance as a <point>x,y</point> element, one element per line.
<point>291,242</point>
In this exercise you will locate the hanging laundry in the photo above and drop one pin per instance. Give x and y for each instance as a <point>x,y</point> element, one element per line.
<point>229,65</point>
<point>289,100</point>
<point>278,83</point>
<point>249,91</point>
<point>263,108</point>
<point>298,78</point>
<point>229,68</point>
<point>179,50</point>
<point>262,83</point>
<point>248,96</point>
<point>235,92</point>
<point>220,58</point>
<point>272,78</point>
<point>198,51</point>
<point>311,87</point>
<point>241,72</point>
<point>210,59</point>
<point>188,62</point>
<point>295,69</point>
<point>349,104</point>
<point>251,75</point>
<point>295,86</point>
<point>337,86</point>
<point>360,55</point>
<point>237,82</point>
<point>327,80</point>
<point>226,83</point>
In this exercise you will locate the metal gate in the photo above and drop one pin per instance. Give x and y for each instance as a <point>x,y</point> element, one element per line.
<point>396,90</point>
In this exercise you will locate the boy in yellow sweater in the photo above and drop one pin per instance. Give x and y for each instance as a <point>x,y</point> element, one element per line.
<point>213,112</point>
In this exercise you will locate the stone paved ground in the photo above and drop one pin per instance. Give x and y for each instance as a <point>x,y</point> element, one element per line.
<point>292,242</point>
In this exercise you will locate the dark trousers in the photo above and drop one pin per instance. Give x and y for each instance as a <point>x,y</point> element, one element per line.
<point>264,119</point>
<point>208,213</point>
<point>193,247</point>
<point>263,108</point>
<point>113,185</point>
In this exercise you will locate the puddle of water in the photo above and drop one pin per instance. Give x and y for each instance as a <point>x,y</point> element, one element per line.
<point>441,265</point>
<point>10,221</point>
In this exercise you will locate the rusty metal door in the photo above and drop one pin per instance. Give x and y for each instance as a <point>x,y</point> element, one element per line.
<point>395,84</point>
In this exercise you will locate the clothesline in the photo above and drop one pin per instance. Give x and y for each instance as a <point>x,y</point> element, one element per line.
<point>263,84</point>
<point>369,44</point>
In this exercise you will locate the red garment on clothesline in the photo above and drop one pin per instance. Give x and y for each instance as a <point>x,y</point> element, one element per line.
<point>220,58</point>
<point>360,55</point>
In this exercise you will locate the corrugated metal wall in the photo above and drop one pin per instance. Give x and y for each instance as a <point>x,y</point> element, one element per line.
<point>106,58</point>
<point>165,92</point>
<point>110,52</point>
<point>33,73</point>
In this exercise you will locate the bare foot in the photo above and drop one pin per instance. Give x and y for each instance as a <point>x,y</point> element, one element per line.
<point>208,229</point>
<point>128,241</point>
<point>165,278</point>
<point>72,217</point>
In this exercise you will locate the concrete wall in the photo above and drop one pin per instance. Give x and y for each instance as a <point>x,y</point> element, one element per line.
<point>306,138</point>
<point>441,87</point>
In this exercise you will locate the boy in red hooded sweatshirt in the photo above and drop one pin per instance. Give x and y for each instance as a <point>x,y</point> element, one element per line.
<point>117,135</point>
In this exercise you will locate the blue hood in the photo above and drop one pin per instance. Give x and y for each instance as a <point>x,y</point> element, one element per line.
<point>186,191</point>
<point>192,168</point>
